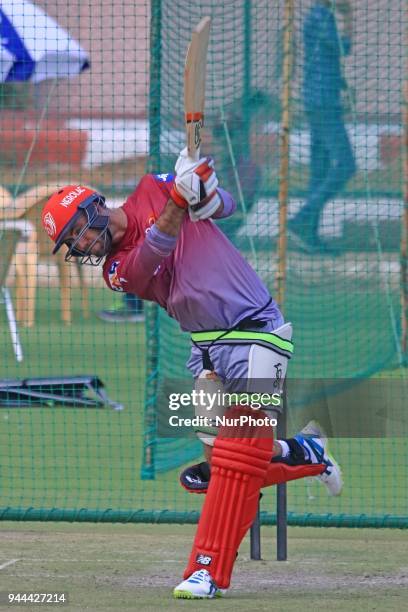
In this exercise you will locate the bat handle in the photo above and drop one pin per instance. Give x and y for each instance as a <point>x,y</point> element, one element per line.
<point>194,154</point>
<point>194,125</point>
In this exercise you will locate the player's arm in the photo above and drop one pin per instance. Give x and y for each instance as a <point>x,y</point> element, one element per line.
<point>171,219</point>
<point>134,271</point>
<point>160,241</point>
<point>227,207</point>
<point>142,264</point>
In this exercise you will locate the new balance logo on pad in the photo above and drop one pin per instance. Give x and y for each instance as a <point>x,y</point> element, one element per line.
<point>203,559</point>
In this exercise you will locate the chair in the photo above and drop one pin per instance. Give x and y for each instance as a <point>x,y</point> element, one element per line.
<point>11,232</point>
<point>28,206</point>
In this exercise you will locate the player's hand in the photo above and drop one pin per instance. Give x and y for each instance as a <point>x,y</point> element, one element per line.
<point>195,186</point>
<point>184,163</point>
<point>186,188</point>
<point>210,199</point>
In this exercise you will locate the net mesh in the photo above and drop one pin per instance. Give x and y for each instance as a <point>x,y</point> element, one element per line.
<point>104,128</point>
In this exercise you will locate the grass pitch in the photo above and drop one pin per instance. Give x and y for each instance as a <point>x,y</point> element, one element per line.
<point>74,458</point>
<point>135,567</point>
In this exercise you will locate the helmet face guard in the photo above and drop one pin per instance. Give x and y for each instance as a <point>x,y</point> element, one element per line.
<point>94,221</point>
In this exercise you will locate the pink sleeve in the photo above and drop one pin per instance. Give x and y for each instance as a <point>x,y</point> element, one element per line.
<point>229,205</point>
<point>142,264</point>
<point>139,268</point>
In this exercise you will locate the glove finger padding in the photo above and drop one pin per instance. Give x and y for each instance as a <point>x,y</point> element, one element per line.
<point>195,186</point>
<point>205,168</point>
<point>209,197</point>
<point>185,164</point>
<point>187,188</point>
<point>208,177</point>
<point>205,208</point>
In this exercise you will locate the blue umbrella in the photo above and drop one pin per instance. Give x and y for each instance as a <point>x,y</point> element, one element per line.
<point>34,47</point>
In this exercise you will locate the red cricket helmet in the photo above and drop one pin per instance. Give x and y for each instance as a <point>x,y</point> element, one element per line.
<point>63,209</point>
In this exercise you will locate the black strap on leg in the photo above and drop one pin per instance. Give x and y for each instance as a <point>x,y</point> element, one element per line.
<point>207,363</point>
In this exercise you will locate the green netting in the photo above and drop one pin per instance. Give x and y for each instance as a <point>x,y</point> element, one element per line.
<point>123,116</point>
<point>344,304</point>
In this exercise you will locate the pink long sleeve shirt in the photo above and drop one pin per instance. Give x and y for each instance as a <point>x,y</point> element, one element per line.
<point>199,278</point>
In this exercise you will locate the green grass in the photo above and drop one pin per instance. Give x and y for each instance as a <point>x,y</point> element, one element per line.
<point>114,352</point>
<point>53,455</point>
<point>91,458</point>
<point>121,567</point>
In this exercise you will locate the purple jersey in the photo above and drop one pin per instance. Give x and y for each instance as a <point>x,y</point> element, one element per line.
<point>200,278</point>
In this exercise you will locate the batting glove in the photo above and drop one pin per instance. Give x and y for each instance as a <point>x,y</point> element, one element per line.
<point>210,199</point>
<point>186,186</point>
<point>195,186</point>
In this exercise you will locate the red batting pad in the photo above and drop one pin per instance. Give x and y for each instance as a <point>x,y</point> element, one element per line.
<point>278,473</point>
<point>238,470</point>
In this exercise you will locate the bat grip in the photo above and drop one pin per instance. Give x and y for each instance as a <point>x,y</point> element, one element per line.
<point>194,154</point>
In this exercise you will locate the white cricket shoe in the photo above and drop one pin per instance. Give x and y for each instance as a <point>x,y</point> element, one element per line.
<point>200,585</point>
<point>314,443</point>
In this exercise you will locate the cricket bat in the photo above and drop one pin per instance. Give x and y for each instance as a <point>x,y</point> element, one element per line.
<point>194,85</point>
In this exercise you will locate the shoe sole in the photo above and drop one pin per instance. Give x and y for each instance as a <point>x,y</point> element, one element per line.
<point>338,468</point>
<point>190,595</point>
<point>313,428</point>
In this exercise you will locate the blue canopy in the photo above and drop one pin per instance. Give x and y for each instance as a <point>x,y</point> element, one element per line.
<point>34,47</point>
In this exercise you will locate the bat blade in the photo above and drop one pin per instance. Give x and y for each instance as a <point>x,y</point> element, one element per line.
<point>194,85</point>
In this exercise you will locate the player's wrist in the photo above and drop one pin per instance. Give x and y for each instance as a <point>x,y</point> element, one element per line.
<point>178,199</point>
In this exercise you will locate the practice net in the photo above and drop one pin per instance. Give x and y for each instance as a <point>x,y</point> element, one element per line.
<point>271,104</point>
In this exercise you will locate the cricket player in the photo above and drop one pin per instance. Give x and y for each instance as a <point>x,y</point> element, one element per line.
<point>163,245</point>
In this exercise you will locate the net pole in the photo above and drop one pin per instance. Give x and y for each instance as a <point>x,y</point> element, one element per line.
<point>255,538</point>
<point>404,227</point>
<point>152,310</point>
<point>155,86</point>
<point>281,493</point>
<point>284,151</point>
<point>281,496</point>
